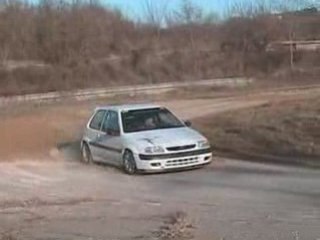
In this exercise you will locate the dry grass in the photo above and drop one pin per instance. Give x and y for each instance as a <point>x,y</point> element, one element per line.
<point>58,45</point>
<point>287,131</point>
<point>176,227</point>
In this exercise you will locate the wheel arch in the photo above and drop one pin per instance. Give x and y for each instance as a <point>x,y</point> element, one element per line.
<point>130,148</point>
<point>126,149</point>
<point>84,142</point>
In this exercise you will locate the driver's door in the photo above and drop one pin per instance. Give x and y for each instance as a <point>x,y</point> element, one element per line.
<point>111,142</point>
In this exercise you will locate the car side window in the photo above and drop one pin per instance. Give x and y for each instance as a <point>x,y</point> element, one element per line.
<point>111,122</point>
<point>97,120</point>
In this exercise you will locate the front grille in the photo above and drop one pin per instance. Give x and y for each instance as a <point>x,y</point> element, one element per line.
<point>182,162</point>
<point>181,148</point>
<point>175,155</point>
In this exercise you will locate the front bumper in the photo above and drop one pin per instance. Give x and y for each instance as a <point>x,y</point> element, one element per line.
<point>173,161</point>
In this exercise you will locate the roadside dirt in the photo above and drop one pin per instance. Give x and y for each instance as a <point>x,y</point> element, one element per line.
<point>35,133</point>
<point>38,133</point>
<point>280,131</point>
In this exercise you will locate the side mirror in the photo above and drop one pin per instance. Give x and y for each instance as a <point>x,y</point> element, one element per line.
<point>113,132</point>
<point>188,123</point>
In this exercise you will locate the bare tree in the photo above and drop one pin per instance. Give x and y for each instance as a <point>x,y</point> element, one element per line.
<point>154,15</point>
<point>155,12</point>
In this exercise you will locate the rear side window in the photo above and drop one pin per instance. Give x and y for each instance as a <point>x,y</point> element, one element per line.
<point>97,120</point>
<point>111,122</point>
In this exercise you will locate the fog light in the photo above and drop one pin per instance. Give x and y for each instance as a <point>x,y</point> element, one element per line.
<point>155,164</point>
<point>207,158</point>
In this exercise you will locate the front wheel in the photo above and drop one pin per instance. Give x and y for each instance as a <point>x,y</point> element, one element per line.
<point>129,164</point>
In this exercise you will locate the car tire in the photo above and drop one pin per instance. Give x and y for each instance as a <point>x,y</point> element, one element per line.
<point>129,163</point>
<point>86,155</point>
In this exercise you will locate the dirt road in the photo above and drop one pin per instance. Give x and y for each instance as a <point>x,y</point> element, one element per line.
<point>65,199</point>
<point>227,200</point>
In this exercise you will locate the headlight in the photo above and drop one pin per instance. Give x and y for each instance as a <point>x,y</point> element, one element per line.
<point>203,144</point>
<point>154,149</point>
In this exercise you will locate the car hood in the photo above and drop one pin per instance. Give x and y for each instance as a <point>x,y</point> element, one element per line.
<point>165,137</point>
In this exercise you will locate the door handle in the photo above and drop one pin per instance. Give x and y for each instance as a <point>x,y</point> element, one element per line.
<point>99,136</point>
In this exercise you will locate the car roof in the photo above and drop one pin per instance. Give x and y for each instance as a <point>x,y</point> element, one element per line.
<point>127,107</point>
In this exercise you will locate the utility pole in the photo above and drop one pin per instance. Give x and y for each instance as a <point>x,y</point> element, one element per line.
<point>292,46</point>
<point>291,52</point>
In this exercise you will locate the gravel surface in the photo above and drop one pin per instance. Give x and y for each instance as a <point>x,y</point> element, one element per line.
<point>59,198</point>
<point>226,200</point>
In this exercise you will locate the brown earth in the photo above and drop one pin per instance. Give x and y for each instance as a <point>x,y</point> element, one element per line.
<point>37,131</point>
<point>286,131</point>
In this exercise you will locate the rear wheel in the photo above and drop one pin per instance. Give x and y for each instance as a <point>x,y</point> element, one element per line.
<point>129,164</point>
<point>86,154</point>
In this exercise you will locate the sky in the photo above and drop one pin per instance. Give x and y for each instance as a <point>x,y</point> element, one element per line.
<point>137,7</point>
<point>134,8</point>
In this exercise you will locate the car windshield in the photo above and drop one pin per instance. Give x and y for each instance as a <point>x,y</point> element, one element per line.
<point>149,119</point>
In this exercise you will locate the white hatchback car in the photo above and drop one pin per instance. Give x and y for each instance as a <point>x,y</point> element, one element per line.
<point>143,138</point>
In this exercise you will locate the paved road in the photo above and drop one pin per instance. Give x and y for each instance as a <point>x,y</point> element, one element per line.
<point>226,200</point>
